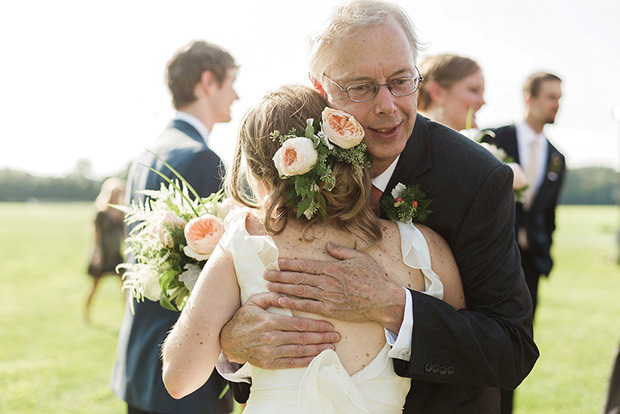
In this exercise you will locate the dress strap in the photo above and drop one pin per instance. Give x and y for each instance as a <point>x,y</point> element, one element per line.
<point>417,256</point>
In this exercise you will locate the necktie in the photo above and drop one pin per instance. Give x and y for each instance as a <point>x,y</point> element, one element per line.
<point>375,197</point>
<point>530,192</point>
<point>532,175</point>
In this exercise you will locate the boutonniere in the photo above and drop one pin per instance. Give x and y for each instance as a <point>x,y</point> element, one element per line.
<point>555,167</point>
<point>406,204</point>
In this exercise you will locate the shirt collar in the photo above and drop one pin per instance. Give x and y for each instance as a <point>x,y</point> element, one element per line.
<point>195,122</point>
<point>382,180</point>
<point>526,133</point>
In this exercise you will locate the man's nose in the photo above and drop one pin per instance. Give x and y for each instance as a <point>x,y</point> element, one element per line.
<point>385,101</point>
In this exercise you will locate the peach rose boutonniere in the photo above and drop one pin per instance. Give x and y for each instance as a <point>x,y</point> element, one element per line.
<point>172,235</point>
<point>306,158</point>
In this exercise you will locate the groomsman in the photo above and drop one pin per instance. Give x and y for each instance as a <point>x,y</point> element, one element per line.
<point>544,166</point>
<point>200,77</point>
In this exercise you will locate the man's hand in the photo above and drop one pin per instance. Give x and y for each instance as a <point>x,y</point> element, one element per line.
<point>355,288</point>
<point>272,341</point>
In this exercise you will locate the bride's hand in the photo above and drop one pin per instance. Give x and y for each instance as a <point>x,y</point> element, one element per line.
<point>355,288</point>
<point>272,341</point>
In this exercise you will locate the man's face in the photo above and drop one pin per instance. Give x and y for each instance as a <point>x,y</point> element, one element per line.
<point>378,54</point>
<point>544,107</point>
<point>222,97</point>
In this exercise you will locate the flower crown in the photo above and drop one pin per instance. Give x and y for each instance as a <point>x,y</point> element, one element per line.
<point>306,158</point>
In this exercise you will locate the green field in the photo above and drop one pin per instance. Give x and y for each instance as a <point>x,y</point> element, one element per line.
<point>52,362</point>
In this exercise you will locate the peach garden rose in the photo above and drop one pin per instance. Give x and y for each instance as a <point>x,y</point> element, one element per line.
<point>202,235</point>
<point>341,128</point>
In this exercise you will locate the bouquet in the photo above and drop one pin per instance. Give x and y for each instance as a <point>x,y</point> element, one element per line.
<point>519,184</point>
<point>171,237</point>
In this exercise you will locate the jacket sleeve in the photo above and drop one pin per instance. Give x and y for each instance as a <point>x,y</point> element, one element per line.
<point>491,342</point>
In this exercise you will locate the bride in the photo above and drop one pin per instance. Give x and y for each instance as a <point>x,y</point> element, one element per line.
<point>291,220</point>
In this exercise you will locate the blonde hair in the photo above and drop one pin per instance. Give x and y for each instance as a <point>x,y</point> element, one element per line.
<point>446,70</point>
<point>347,20</point>
<point>108,188</point>
<point>284,109</point>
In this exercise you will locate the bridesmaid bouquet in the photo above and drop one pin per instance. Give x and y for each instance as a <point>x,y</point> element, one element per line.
<point>519,184</point>
<point>171,237</point>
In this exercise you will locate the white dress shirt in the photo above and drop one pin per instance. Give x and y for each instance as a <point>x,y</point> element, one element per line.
<point>195,122</point>
<point>525,136</point>
<point>401,341</point>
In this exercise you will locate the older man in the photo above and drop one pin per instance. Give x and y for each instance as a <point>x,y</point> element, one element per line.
<point>364,61</point>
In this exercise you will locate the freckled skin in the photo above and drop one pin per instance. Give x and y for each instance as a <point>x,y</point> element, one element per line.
<point>360,342</point>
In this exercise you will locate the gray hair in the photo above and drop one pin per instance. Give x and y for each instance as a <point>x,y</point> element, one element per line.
<point>348,19</point>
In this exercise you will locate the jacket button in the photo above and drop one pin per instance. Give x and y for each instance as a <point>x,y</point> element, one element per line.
<point>443,370</point>
<point>428,367</point>
<point>435,368</point>
<point>450,370</point>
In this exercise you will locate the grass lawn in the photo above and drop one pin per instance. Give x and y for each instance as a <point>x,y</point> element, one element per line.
<point>52,362</point>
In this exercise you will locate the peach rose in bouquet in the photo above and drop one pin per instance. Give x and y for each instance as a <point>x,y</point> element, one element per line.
<point>202,235</point>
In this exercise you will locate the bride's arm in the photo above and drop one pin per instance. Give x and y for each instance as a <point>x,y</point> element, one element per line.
<point>444,264</point>
<point>193,345</point>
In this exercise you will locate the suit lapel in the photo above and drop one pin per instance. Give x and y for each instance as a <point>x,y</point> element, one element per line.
<point>415,159</point>
<point>510,144</point>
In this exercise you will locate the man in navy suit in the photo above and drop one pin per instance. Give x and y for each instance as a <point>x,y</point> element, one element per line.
<point>544,166</point>
<point>365,64</point>
<point>200,77</point>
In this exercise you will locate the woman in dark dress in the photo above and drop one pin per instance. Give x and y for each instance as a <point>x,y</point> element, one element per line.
<point>109,234</point>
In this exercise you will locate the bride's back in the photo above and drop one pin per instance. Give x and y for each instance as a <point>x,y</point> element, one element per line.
<point>360,342</point>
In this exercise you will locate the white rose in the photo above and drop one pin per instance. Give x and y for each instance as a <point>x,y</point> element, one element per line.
<point>296,156</point>
<point>225,206</point>
<point>202,235</point>
<point>190,275</point>
<point>491,148</point>
<point>341,128</point>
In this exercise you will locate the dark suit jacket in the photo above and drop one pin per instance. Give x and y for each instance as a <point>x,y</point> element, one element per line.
<point>459,357</point>
<point>539,221</point>
<point>137,373</point>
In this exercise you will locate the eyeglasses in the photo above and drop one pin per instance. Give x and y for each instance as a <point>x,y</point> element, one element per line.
<point>365,91</point>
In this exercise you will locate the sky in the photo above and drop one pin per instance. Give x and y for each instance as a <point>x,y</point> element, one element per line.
<point>84,79</point>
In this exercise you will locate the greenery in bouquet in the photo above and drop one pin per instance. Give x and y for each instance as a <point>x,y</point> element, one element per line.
<point>170,239</point>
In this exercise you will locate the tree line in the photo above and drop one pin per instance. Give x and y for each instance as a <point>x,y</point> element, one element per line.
<point>588,185</point>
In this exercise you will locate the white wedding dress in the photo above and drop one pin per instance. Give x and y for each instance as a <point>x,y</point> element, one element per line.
<point>324,387</point>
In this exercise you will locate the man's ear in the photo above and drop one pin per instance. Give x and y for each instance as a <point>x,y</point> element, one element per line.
<point>316,85</point>
<point>436,92</point>
<point>207,81</point>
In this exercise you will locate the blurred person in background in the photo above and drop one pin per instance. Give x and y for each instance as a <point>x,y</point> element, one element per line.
<point>109,234</point>
<point>200,77</point>
<point>544,167</point>
<point>452,91</point>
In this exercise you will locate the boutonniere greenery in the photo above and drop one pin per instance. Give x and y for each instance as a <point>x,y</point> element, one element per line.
<point>406,204</point>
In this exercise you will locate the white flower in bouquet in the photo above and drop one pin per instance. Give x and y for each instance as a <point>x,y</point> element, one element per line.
<point>171,237</point>
<point>190,276</point>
